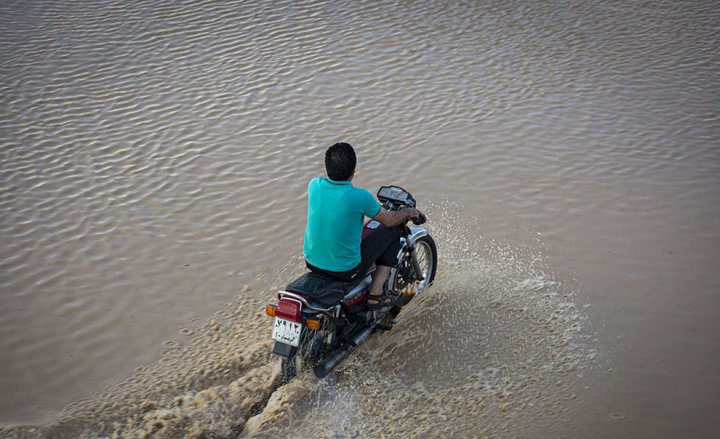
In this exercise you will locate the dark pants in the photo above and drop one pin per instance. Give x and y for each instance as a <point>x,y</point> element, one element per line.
<point>380,247</point>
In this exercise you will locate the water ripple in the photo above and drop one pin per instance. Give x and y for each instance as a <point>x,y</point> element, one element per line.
<point>136,138</point>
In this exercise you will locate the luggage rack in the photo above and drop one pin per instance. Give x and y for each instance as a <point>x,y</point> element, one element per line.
<point>304,301</point>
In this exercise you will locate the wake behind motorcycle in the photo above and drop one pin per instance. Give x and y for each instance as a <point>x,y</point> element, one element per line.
<point>319,320</point>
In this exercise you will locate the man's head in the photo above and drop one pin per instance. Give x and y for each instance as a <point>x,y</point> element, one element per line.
<point>340,161</point>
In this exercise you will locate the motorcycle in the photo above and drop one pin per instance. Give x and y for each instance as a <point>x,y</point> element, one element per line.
<point>319,320</point>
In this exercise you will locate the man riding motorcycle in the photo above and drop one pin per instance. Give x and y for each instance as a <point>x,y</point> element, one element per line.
<point>333,242</point>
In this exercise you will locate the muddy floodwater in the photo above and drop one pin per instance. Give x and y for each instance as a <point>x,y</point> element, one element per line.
<point>154,158</point>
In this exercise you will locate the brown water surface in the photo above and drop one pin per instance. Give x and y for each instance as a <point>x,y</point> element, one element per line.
<point>154,159</point>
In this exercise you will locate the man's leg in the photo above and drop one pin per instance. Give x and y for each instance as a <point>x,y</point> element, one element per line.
<point>379,276</point>
<point>381,248</point>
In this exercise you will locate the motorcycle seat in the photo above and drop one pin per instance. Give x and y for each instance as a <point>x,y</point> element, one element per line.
<point>326,290</point>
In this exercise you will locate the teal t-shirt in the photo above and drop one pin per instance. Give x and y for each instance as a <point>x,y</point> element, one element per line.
<point>336,211</point>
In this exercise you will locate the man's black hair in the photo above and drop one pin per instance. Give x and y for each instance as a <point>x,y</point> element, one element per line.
<point>340,161</point>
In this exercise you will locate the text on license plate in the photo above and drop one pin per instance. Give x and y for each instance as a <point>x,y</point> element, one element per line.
<point>286,331</point>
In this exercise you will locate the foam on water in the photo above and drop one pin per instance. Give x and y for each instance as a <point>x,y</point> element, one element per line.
<point>211,384</point>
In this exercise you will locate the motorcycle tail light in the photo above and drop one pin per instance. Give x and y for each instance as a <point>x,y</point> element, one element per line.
<point>289,310</point>
<point>270,310</point>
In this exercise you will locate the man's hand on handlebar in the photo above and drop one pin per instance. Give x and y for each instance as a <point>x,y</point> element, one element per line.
<point>411,213</point>
<point>415,215</point>
<point>401,216</point>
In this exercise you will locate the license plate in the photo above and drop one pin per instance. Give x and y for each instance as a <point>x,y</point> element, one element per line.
<point>286,331</point>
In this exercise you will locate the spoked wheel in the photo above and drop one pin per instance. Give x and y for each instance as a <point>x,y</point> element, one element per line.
<point>405,278</point>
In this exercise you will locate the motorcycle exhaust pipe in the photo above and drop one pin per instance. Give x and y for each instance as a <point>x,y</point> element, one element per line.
<point>324,368</point>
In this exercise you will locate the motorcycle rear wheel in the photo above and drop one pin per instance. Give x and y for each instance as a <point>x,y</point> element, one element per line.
<point>289,367</point>
<point>306,355</point>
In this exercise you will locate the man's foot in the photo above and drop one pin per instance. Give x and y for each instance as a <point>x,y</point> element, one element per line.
<point>387,298</point>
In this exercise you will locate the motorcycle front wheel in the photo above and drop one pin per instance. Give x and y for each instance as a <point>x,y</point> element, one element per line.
<point>405,279</point>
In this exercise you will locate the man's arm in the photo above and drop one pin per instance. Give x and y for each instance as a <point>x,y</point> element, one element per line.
<point>392,218</point>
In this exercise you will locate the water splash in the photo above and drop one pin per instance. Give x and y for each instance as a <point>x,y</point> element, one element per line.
<point>496,346</point>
